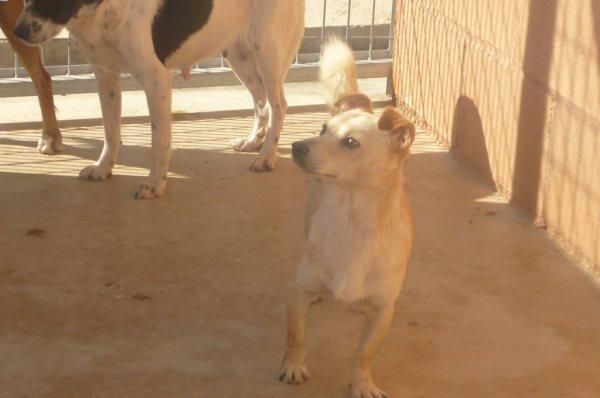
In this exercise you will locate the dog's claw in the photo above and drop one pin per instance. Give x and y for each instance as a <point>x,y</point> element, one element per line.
<point>366,390</point>
<point>50,144</point>
<point>293,373</point>
<point>261,165</point>
<point>95,173</point>
<point>245,145</point>
<point>150,190</point>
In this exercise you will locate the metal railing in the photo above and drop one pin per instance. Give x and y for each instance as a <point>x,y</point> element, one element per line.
<point>371,42</point>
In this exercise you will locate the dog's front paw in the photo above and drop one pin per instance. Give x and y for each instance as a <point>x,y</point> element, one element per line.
<point>366,389</point>
<point>261,164</point>
<point>151,190</point>
<point>50,144</point>
<point>293,372</point>
<point>96,172</point>
<point>245,145</point>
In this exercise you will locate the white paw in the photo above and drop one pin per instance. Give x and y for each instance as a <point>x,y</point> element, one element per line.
<point>366,389</point>
<point>264,164</point>
<point>293,372</point>
<point>245,145</point>
<point>151,189</point>
<point>50,145</point>
<point>96,172</point>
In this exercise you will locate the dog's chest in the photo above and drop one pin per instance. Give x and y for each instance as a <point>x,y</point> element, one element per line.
<point>356,248</point>
<point>342,249</point>
<point>102,53</point>
<point>101,40</point>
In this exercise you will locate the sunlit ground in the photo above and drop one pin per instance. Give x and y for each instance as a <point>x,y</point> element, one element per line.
<point>17,156</point>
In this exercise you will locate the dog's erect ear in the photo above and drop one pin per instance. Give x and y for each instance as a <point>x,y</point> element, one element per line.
<point>354,101</point>
<point>401,131</point>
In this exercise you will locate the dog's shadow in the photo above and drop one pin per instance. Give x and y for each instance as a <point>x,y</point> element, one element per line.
<point>77,143</point>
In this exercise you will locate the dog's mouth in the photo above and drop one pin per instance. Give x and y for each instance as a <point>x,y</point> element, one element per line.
<point>311,170</point>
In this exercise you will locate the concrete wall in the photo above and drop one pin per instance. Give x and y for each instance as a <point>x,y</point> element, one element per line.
<point>513,89</point>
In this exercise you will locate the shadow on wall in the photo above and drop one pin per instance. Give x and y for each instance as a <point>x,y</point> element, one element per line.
<point>467,142</point>
<point>513,89</point>
<point>533,113</point>
<point>596,16</point>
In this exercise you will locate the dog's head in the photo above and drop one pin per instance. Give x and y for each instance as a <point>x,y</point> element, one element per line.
<point>41,20</point>
<point>355,146</point>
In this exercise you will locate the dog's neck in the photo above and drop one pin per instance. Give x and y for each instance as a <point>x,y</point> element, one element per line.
<point>370,204</point>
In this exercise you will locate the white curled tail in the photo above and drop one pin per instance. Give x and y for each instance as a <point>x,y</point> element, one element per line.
<point>338,71</point>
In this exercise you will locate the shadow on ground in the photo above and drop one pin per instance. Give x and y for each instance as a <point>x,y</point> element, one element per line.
<point>105,296</point>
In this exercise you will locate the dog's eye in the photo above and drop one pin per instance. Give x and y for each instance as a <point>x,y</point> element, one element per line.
<point>351,142</point>
<point>323,129</point>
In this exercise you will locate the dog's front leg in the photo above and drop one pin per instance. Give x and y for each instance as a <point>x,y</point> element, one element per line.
<point>109,91</point>
<point>376,326</point>
<point>157,82</point>
<point>294,369</point>
<point>51,140</point>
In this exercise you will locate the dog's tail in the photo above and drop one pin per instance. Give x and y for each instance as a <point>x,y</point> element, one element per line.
<point>338,71</point>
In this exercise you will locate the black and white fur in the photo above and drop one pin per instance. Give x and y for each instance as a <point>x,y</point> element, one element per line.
<point>147,38</point>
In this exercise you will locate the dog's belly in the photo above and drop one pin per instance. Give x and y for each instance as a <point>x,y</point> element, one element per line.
<point>229,20</point>
<point>176,46</point>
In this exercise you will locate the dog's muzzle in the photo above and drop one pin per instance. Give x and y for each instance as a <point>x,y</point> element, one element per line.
<point>23,32</point>
<point>308,160</point>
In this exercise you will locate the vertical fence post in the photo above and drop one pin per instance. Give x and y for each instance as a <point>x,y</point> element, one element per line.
<point>69,54</point>
<point>392,27</point>
<point>390,79</point>
<point>16,66</point>
<point>323,25</point>
<point>371,31</point>
<point>348,21</point>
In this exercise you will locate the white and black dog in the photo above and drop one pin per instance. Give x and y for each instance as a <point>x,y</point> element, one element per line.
<point>147,38</point>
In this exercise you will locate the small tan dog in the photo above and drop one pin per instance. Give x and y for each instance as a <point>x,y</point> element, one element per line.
<point>359,224</point>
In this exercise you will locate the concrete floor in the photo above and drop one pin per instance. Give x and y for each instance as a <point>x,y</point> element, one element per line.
<point>105,296</point>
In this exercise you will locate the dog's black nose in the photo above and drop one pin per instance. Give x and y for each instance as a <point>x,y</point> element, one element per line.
<point>22,32</point>
<point>300,149</point>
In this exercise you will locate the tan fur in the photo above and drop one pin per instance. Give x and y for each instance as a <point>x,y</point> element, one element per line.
<point>353,101</point>
<point>51,140</point>
<point>359,224</point>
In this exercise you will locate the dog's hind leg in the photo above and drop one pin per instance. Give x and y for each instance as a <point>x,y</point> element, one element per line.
<point>109,91</point>
<point>273,68</point>
<point>277,31</point>
<point>376,326</point>
<point>242,60</point>
<point>51,140</point>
